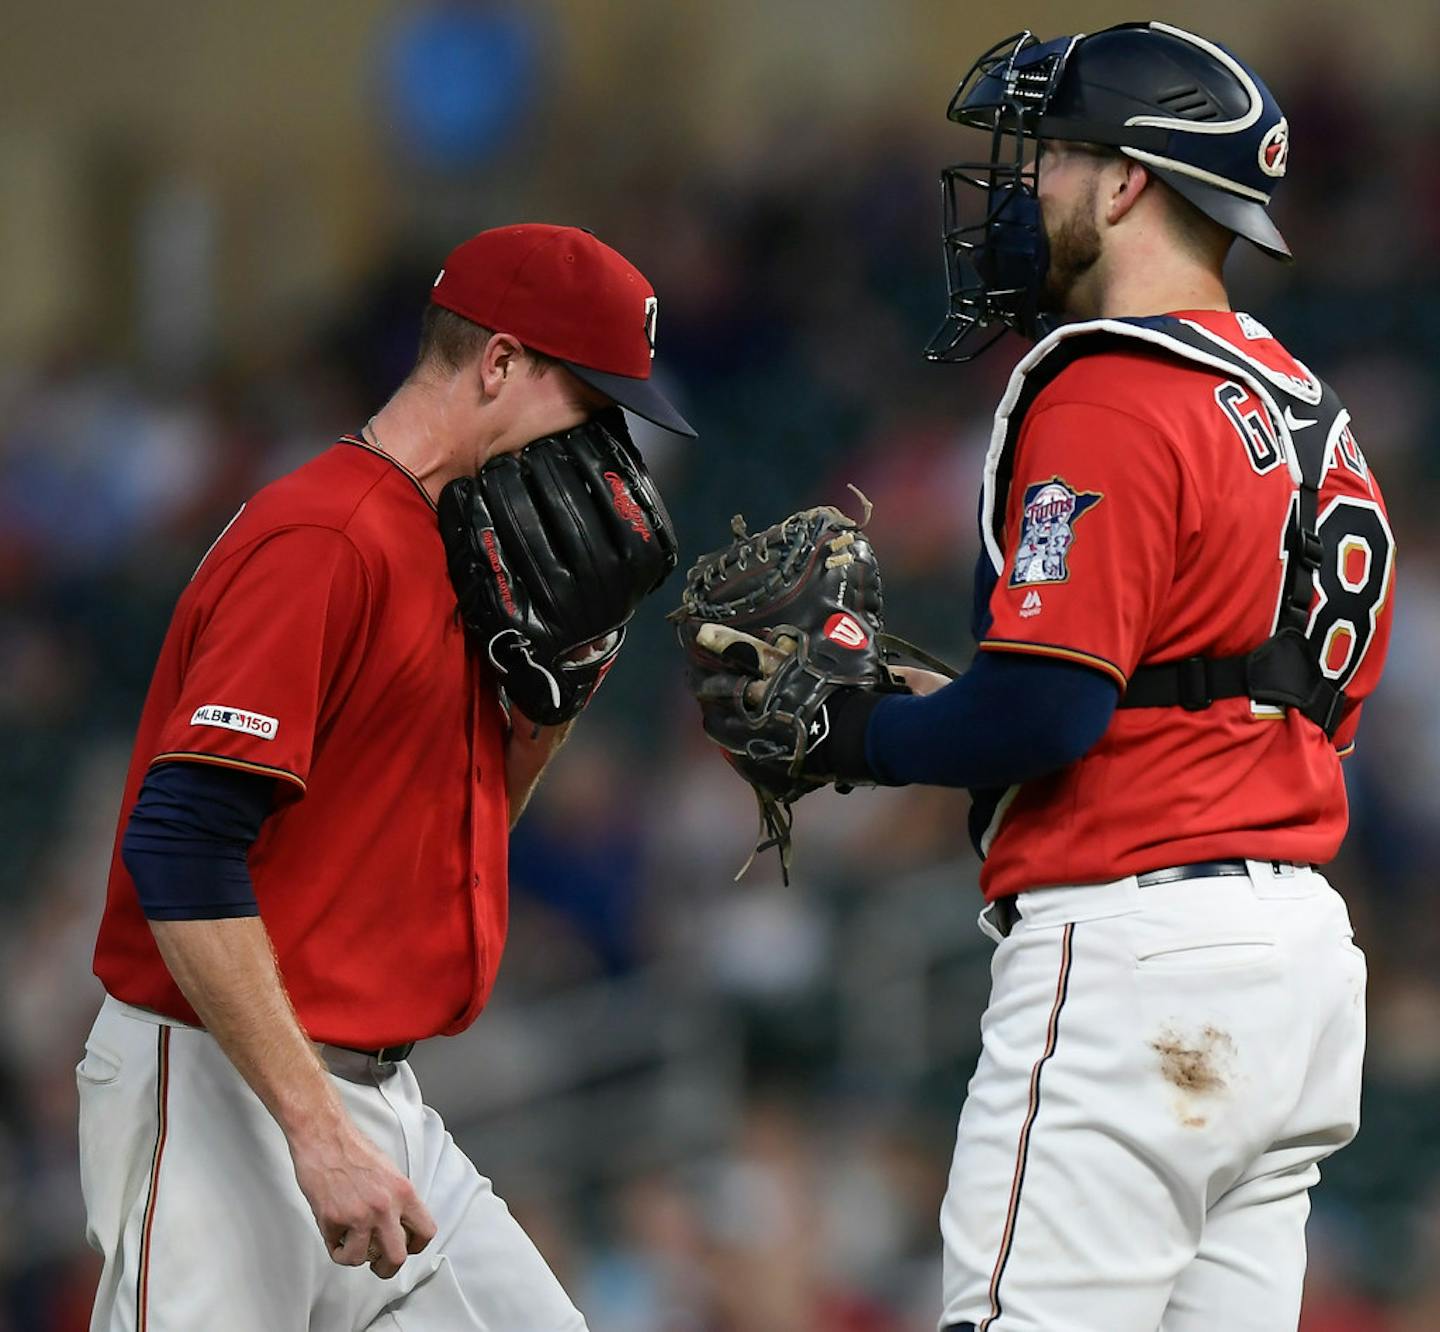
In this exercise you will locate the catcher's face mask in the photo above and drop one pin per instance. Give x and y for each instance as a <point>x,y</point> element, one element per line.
<point>1193,113</point>
<point>996,253</point>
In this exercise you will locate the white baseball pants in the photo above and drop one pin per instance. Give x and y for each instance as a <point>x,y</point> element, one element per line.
<point>1162,1069</point>
<point>191,1199</point>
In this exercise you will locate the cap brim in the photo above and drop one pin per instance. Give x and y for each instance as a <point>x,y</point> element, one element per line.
<point>1245,217</point>
<point>635,395</point>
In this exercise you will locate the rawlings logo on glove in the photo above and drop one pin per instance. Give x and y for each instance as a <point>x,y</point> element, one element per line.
<point>626,507</point>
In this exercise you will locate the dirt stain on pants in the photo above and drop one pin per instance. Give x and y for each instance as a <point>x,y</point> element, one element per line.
<point>1196,1066</point>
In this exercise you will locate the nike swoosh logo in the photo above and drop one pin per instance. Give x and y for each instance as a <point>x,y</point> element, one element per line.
<point>1297,422</point>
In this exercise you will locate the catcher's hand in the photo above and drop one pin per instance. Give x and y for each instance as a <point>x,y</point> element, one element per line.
<point>775,626</point>
<point>550,550</point>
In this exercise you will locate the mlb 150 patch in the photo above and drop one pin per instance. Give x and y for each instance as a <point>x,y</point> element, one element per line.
<point>1047,531</point>
<point>236,719</point>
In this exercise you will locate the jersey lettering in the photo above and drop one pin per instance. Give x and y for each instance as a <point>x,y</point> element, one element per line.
<point>1352,581</point>
<point>1347,451</point>
<point>1255,432</point>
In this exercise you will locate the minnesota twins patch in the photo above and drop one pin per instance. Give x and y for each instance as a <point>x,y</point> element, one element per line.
<point>1052,508</point>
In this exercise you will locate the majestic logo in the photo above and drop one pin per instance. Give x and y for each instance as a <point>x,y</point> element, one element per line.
<point>626,507</point>
<point>497,567</point>
<point>1032,605</point>
<point>846,631</point>
<point>1275,149</point>
<point>1051,510</point>
<point>652,307</point>
<point>236,719</point>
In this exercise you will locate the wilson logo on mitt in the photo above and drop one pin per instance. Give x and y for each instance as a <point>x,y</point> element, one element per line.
<point>626,507</point>
<point>772,625</point>
<point>846,631</point>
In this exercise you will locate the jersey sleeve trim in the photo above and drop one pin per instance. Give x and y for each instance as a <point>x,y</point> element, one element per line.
<point>1347,751</point>
<point>220,761</point>
<point>1061,653</point>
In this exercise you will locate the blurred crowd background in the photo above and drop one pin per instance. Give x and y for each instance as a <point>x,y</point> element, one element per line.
<point>717,1106</point>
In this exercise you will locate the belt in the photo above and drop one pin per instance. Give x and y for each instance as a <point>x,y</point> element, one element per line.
<point>1006,912</point>
<point>1201,869</point>
<point>345,1061</point>
<point>390,1054</point>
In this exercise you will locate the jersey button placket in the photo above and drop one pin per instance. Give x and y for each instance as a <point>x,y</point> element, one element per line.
<point>478,683</point>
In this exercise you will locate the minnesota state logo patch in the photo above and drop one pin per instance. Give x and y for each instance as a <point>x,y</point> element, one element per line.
<point>1047,531</point>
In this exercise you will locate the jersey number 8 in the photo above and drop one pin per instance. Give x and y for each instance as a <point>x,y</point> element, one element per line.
<point>1352,582</point>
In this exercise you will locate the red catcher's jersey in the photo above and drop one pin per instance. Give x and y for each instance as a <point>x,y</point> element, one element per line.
<point>318,643</point>
<point>1145,522</point>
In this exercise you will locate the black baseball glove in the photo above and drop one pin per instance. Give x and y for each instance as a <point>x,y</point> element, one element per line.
<point>550,550</point>
<point>780,628</point>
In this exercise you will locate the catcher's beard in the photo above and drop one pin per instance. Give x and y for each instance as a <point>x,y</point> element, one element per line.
<point>1074,250</point>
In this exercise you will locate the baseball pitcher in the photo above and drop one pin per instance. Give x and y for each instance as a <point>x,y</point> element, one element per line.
<point>359,690</point>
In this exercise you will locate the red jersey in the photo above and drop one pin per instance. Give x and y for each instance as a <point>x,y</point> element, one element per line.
<point>318,643</point>
<point>1144,522</point>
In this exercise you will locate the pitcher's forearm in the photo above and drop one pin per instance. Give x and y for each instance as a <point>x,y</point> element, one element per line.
<point>528,752</point>
<point>226,969</point>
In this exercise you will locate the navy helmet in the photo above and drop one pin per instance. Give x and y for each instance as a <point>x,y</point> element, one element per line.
<point>1192,112</point>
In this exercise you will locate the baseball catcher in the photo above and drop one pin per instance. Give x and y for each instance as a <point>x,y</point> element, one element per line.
<point>784,633</point>
<point>550,550</point>
<point>1153,724</point>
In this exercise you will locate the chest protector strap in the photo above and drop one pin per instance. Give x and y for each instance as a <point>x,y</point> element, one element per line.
<point>1307,420</point>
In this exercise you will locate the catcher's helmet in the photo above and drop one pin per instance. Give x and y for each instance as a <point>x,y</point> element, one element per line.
<point>1197,116</point>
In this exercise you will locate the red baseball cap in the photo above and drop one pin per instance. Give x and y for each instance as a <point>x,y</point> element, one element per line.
<point>570,296</point>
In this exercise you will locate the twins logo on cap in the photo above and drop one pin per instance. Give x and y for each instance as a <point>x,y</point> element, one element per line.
<point>565,293</point>
<point>1275,149</point>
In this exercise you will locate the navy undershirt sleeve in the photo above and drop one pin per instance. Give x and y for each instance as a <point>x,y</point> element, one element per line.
<point>187,840</point>
<point>1008,719</point>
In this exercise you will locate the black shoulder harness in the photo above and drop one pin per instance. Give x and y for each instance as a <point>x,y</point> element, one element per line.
<point>1284,670</point>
